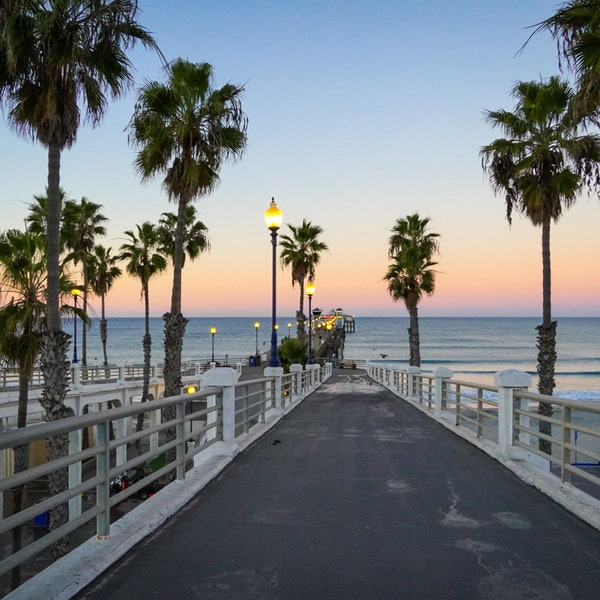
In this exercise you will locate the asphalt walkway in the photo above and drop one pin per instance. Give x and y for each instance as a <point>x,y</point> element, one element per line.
<point>358,495</point>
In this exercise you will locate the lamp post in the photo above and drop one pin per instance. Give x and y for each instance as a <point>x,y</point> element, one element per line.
<point>273,219</point>
<point>75,292</point>
<point>289,331</point>
<point>213,330</point>
<point>256,326</point>
<point>329,326</point>
<point>310,290</point>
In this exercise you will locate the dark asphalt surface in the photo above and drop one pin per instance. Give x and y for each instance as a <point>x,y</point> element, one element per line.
<point>358,495</point>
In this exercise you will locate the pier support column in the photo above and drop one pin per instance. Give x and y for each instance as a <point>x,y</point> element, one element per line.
<point>442,375</point>
<point>507,381</point>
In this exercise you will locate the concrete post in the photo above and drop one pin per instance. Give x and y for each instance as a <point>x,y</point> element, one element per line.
<point>412,371</point>
<point>442,375</point>
<point>507,381</point>
<point>297,385</point>
<point>76,372</point>
<point>277,373</point>
<point>312,375</point>
<point>225,378</point>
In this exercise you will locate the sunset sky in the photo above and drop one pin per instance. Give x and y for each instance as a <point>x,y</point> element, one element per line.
<point>360,112</point>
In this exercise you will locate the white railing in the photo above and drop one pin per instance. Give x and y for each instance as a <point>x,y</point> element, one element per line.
<point>119,463</point>
<point>9,376</point>
<point>506,415</point>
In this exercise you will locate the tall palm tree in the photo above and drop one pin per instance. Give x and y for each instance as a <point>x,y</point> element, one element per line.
<point>82,223</point>
<point>145,259</point>
<point>301,251</point>
<point>576,27</point>
<point>195,234</point>
<point>22,319</point>
<point>102,272</point>
<point>185,129</point>
<point>410,274</point>
<point>541,166</point>
<point>60,58</point>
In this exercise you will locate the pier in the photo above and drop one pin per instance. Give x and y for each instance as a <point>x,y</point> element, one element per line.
<point>358,487</point>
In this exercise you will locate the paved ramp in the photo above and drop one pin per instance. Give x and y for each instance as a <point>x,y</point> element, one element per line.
<point>358,495</point>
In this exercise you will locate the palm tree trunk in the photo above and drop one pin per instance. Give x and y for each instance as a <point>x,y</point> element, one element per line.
<point>54,345</point>
<point>147,347</point>
<point>414,342</point>
<point>53,237</point>
<point>103,329</point>
<point>175,324</point>
<point>546,342</point>
<point>56,370</point>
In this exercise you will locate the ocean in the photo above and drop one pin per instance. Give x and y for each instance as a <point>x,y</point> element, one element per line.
<point>473,348</point>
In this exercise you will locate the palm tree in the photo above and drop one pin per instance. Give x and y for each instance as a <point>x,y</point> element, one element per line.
<point>576,27</point>
<point>102,273</point>
<point>22,319</point>
<point>410,274</point>
<point>81,223</point>
<point>58,58</point>
<point>142,251</point>
<point>185,129</point>
<point>541,166</point>
<point>301,251</point>
<point>195,234</point>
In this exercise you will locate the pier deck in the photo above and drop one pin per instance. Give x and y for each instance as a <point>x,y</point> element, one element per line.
<point>358,495</point>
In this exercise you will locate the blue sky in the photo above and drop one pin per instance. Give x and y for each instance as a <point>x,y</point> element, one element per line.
<point>359,113</point>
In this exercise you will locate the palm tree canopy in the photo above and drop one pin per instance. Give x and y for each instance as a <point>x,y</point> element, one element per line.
<point>23,279</point>
<point>81,223</point>
<point>142,253</point>
<point>103,269</point>
<point>576,28</point>
<point>195,235</point>
<point>411,247</point>
<point>302,251</point>
<point>542,163</point>
<point>57,55</point>
<point>186,129</point>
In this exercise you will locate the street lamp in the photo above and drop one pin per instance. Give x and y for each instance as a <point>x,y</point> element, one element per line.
<point>310,290</point>
<point>289,330</point>
<point>75,292</point>
<point>273,219</point>
<point>329,326</point>
<point>213,330</point>
<point>256,326</point>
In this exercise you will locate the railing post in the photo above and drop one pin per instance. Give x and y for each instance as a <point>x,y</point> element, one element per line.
<point>75,444</point>
<point>312,375</point>
<point>76,374</point>
<point>225,378</point>
<point>412,373</point>
<point>507,381</point>
<point>441,375</point>
<point>296,370</point>
<point>277,374</point>
<point>103,488</point>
